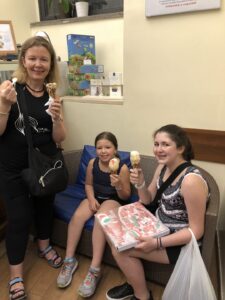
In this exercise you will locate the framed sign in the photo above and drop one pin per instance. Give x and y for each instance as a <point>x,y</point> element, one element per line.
<point>165,7</point>
<point>7,39</point>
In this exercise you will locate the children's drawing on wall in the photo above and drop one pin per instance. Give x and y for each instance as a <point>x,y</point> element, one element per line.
<point>164,7</point>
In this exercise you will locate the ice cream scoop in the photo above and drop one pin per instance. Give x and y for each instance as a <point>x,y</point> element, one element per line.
<point>51,89</point>
<point>114,165</point>
<point>135,159</point>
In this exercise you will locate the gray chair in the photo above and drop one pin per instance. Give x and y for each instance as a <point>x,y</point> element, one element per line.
<point>221,261</point>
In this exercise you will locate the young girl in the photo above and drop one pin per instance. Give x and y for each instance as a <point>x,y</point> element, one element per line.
<point>181,205</point>
<point>104,191</point>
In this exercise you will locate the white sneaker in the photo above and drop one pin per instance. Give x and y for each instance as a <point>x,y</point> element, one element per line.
<point>66,273</point>
<point>89,284</point>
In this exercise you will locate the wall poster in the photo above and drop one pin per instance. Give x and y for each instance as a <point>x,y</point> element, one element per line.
<point>164,7</point>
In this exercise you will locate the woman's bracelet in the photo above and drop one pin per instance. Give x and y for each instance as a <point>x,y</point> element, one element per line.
<point>159,243</point>
<point>139,187</point>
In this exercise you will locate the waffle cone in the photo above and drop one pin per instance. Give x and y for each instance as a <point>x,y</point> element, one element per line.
<point>135,166</point>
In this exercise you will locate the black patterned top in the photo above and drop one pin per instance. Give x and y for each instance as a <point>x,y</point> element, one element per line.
<point>172,210</point>
<point>13,143</point>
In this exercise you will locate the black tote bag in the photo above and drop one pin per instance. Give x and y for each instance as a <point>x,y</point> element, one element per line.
<point>46,175</point>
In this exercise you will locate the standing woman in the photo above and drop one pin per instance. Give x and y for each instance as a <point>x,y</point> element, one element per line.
<point>37,66</point>
<point>181,205</point>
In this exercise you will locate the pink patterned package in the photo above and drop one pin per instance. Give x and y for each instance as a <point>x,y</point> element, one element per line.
<point>124,225</point>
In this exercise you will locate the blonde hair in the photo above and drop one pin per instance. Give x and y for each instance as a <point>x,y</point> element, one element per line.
<point>37,41</point>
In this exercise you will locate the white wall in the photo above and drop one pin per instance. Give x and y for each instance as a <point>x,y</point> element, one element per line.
<point>21,13</point>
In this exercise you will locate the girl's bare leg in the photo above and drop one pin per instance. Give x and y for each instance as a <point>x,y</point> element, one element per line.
<point>98,236</point>
<point>76,225</point>
<point>130,264</point>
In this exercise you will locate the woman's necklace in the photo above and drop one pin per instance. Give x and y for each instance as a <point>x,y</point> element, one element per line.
<point>36,91</point>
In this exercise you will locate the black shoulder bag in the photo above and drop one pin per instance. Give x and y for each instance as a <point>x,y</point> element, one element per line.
<point>46,175</point>
<point>154,204</point>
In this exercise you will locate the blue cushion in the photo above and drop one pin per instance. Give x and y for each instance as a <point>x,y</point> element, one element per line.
<point>87,154</point>
<point>67,202</point>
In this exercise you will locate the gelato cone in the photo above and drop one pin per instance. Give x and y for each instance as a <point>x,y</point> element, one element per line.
<point>51,89</point>
<point>114,165</point>
<point>135,159</point>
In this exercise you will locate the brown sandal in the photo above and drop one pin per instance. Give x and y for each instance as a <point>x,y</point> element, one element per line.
<point>51,261</point>
<point>17,293</point>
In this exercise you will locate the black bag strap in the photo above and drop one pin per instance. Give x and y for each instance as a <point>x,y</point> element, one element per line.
<point>170,179</point>
<point>21,102</point>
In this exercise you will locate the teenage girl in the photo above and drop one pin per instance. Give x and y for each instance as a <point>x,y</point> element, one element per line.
<point>181,205</point>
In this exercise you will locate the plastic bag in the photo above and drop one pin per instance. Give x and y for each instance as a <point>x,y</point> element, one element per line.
<point>190,279</point>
